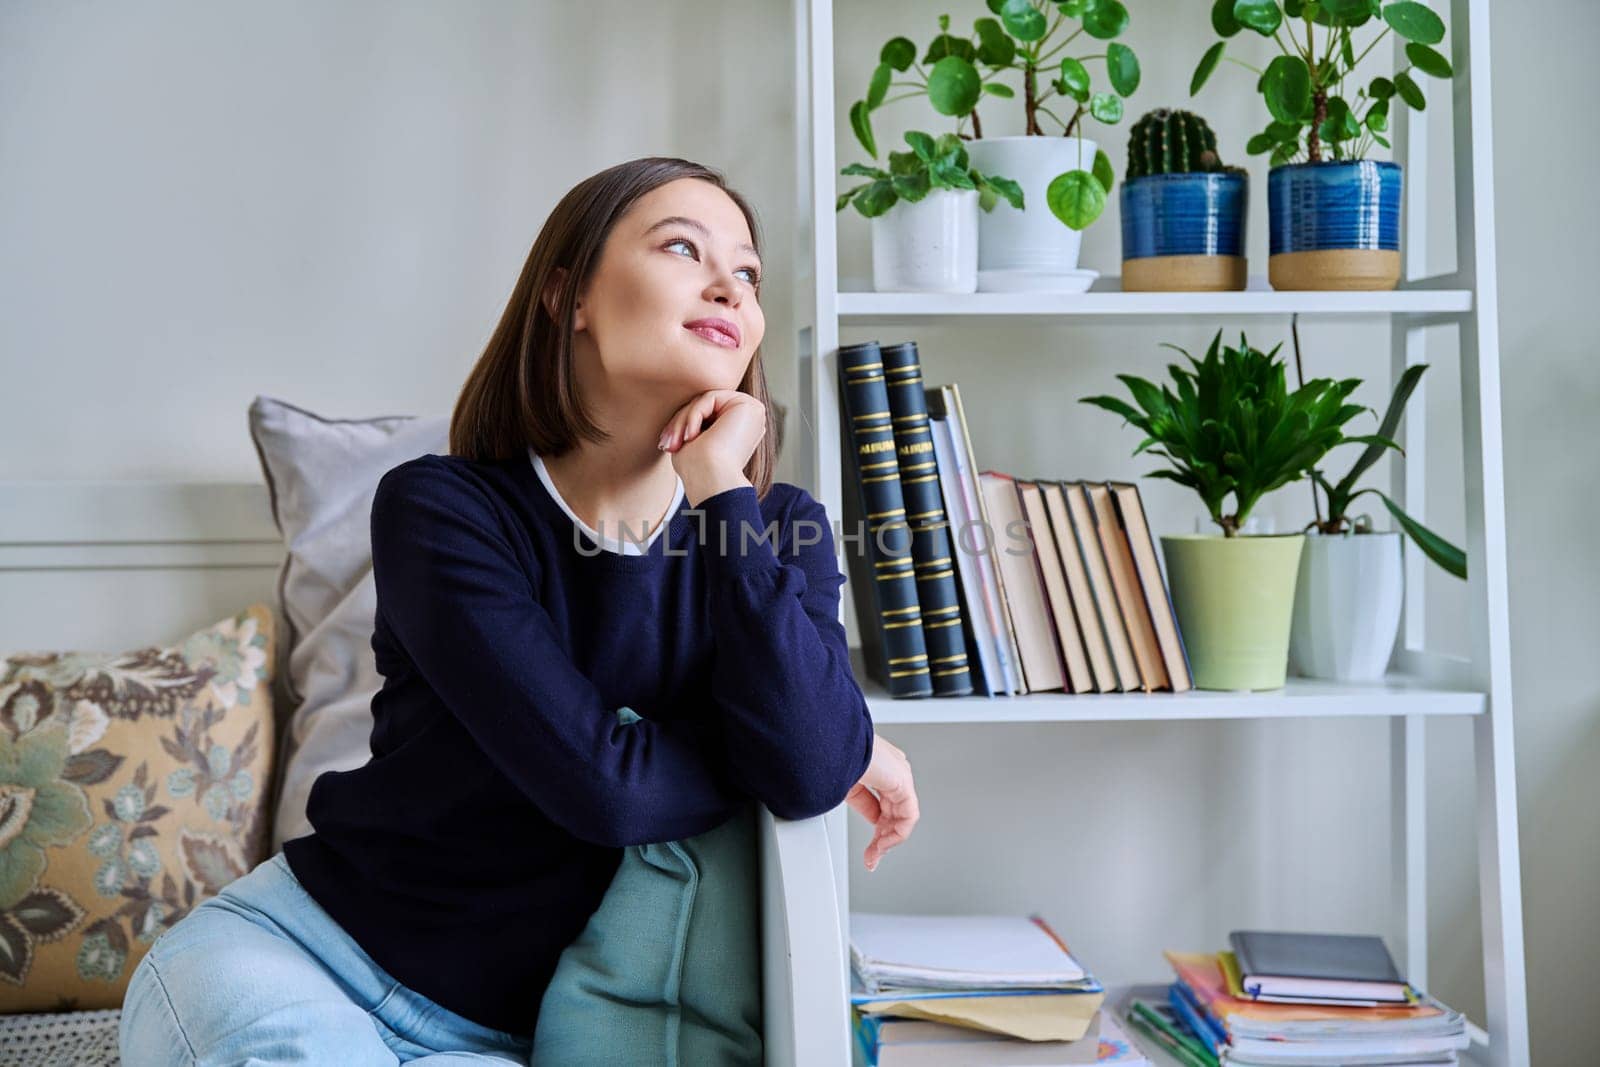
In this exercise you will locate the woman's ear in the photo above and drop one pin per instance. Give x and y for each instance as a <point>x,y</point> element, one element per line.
<point>552,298</point>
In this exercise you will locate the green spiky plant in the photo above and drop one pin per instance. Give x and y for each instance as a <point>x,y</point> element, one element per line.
<point>1170,141</point>
<point>1342,494</point>
<point>1232,426</point>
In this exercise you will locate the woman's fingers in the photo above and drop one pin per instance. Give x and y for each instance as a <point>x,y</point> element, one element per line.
<point>706,405</point>
<point>894,809</point>
<point>891,823</point>
<point>689,421</point>
<point>673,437</point>
<point>685,423</point>
<point>899,797</point>
<point>694,413</point>
<point>862,799</point>
<point>899,817</point>
<point>882,842</point>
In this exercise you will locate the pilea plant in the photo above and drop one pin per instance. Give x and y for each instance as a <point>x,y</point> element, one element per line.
<point>1313,116</point>
<point>1168,141</point>
<point>931,164</point>
<point>1232,426</point>
<point>1021,39</point>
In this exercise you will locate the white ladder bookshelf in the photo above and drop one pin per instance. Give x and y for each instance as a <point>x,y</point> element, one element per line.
<point>1421,683</point>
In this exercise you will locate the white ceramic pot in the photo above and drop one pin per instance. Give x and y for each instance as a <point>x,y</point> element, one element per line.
<point>1347,606</point>
<point>1032,239</point>
<point>930,246</point>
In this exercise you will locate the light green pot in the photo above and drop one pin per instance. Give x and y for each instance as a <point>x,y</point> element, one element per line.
<point>1234,597</point>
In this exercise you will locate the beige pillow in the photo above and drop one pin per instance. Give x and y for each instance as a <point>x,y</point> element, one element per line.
<point>132,787</point>
<point>321,473</point>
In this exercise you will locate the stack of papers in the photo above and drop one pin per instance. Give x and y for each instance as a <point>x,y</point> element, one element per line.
<point>1002,974</point>
<point>960,952</point>
<point>1252,1033</point>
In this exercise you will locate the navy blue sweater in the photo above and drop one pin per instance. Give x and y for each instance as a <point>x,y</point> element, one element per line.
<point>475,844</point>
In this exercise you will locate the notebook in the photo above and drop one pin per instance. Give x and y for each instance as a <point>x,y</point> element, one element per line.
<point>1297,965</point>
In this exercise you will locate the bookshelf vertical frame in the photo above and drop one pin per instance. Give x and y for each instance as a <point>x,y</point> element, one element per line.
<point>1503,1041</point>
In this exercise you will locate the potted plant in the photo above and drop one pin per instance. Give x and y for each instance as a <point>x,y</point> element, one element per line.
<point>1229,427</point>
<point>1064,180</point>
<point>930,242</point>
<point>1183,212</point>
<point>1335,217</point>
<point>1351,583</point>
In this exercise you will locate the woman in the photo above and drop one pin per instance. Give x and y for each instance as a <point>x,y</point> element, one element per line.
<point>622,390</point>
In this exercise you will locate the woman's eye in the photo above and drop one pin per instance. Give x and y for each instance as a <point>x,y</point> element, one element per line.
<point>755,275</point>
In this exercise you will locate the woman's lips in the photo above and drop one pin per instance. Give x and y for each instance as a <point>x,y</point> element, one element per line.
<point>717,331</point>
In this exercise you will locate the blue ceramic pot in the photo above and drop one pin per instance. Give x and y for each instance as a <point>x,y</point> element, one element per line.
<point>1334,225</point>
<point>1184,231</point>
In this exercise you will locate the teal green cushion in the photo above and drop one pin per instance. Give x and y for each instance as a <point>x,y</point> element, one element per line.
<point>668,969</point>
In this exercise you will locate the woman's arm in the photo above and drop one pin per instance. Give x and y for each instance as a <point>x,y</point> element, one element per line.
<point>795,725</point>
<point>452,591</point>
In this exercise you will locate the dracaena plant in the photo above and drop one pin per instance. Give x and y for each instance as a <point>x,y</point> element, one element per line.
<point>1319,109</point>
<point>1230,425</point>
<point>932,163</point>
<point>1340,496</point>
<point>1028,38</point>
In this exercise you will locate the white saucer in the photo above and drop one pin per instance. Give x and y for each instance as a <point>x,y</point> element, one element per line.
<point>1036,281</point>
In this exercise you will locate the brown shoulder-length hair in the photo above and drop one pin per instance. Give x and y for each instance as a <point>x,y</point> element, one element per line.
<point>523,390</point>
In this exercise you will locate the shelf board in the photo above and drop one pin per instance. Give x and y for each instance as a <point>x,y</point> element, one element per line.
<point>860,306</point>
<point>1397,694</point>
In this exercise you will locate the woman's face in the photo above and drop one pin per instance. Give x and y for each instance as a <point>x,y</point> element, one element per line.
<point>672,304</point>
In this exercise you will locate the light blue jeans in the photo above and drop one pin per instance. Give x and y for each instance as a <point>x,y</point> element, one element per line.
<point>260,974</point>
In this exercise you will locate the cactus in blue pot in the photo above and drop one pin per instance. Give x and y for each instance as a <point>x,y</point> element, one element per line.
<point>1183,211</point>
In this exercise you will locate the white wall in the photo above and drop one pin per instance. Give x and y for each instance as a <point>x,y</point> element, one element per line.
<point>330,203</point>
<point>1548,225</point>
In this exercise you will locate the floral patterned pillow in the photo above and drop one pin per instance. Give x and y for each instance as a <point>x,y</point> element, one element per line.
<point>132,787</point>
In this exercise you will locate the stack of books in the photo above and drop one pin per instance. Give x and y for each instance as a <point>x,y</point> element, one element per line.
<point>1310,1000</point>
<point>935,990</point>
<point>977,581</point>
